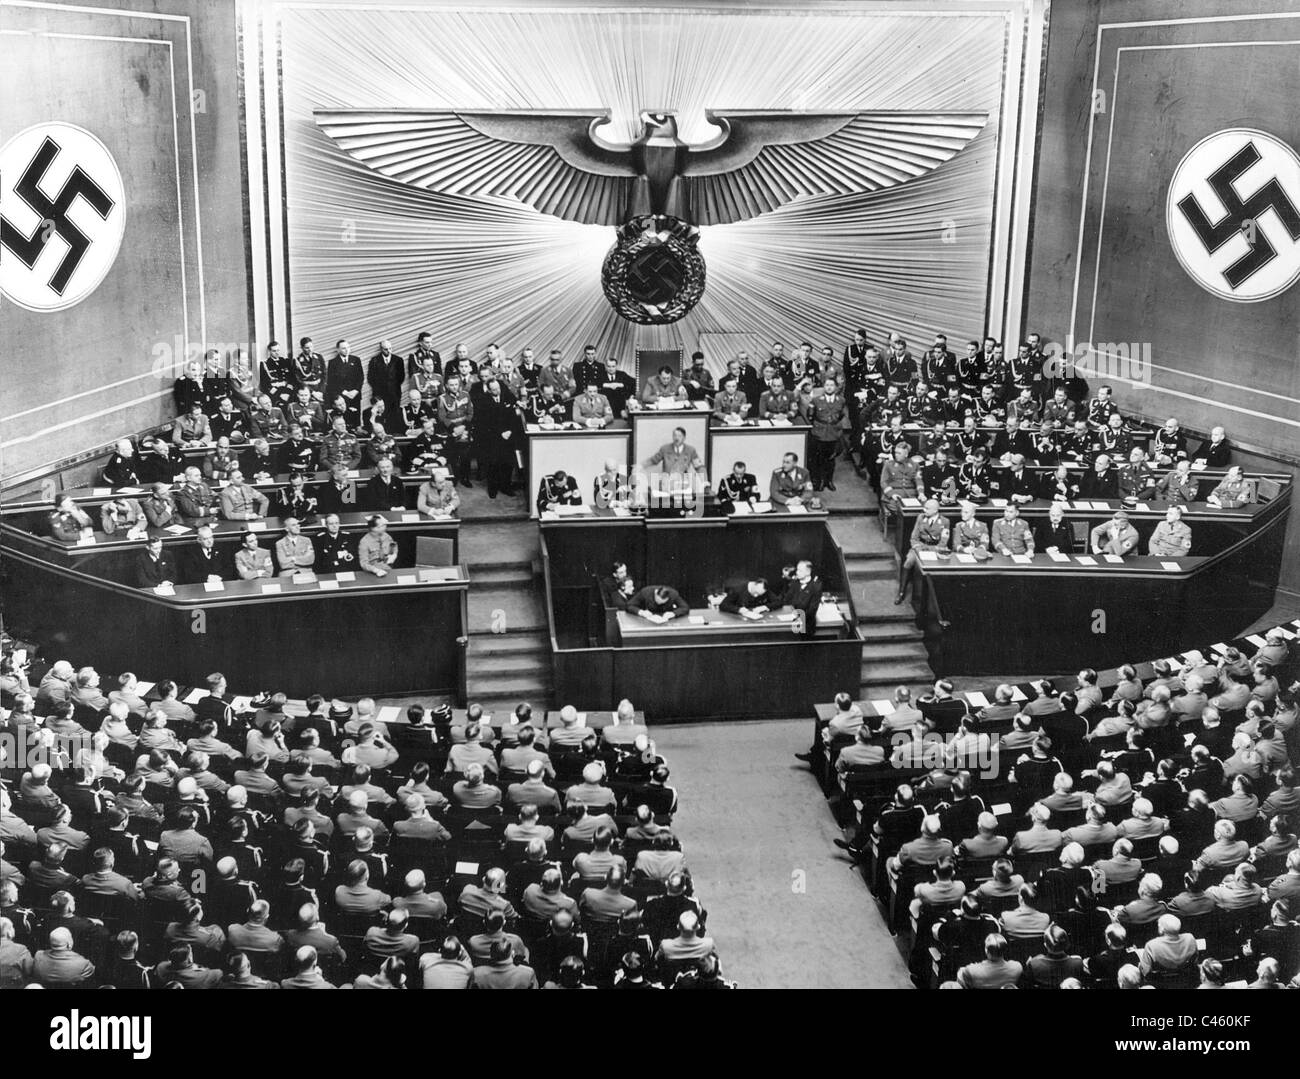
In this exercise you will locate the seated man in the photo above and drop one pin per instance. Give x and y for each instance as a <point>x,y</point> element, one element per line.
<point>930,533</point>
<point>790,484</point>
<point>377,551</point>
<point>665,386</point>
<point>153,567</point>
<point>204,561</point>
<point>1114,537</point>
<point>658,603</point>
<point>969,534</point>
<point>294,551</point>
<point>1011,535</point>
<point>753,599</point>
<point>252,560</point>
<point>1171,538</point>
<point>738,486</point>
<point>557,489</point>
<point>611,487</point>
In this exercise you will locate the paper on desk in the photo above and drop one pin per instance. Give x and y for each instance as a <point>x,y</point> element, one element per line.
<point>130,491</point>
<point>1198,466</point>
<point>327,585</point>
<point>965,558</point>
<point>1001,503</point>
<point>1056,556</point>
<point>1022,559</point>
<point>1085,560</point>
<point>911,503</point>
<point>1257,640</point>
<point>257,526</point>
<point>1114,558</point>
<point>98,492</point>
<point>796,507</point>
<point>406,578</point>
<point>1001,809</point>
<point>1172,566</point>
<point>740,509</point>
<point>762,507</point>
<point>410,518</point>
<point>346,575</point>
<point>177,530</point>
<point>164,590</point>
<point>85,541</point>
<point>214,586</point>
<point>142,688</point>
<point>621,511</point>
<point>582,720</point>
<point>353,474</point>
<point>241,704</point>
<point>549,515</point>
<point>467,869</point>
<point>388,714</point>
<point>1218,649</point>
<point>271,588</point>
<point>695,619</point>
<point>780,421</point>
<point>1018,694</point>
<point>1284,633</point>
<point>928,556</point>
<point>195,695</point>
<point>1143,507</point>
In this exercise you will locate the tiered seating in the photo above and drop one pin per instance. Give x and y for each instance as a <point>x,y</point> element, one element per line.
<point>472,885</point>
<point>1126,759</point>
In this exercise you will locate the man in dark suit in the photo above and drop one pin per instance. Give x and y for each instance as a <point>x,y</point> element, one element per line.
<point>204,561</point>
<point>153,567</point>
<point>1055,532</point>
<point>384,490</point>
<point>617,387</point>
<point>344,378</point>
<point>386,373</point>
<point>750,598</point>
<point>1216,451</point>
<point>1017,483</point>
<point>658,603</point>
<point>804,594</point>
<point>498,431</point>
<point>1101,481</point>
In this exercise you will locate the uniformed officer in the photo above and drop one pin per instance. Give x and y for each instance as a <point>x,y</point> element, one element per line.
<point>277,376</point>
<point>428,450</point>
<point>1112,439</point>
<point>1011,535</point>
<point>159,507</point>
<point>293,550</point>
<point>309,369</point>
<point>988,407</point>
<point>730,406</point>
<point>698,380</point>
<point>544,408</point>
<point>427,381</point>
<point>555,374</point>
<point>611,486</point>
<point>297,453</point>
<point>412,414</point>
<point>340,447</point>
<point>438,496</point>
<point>900,368</point>
<point>1232,492</point>
<point>68,522</point>
<point>423,353</point>
<point>1076,444</point>
<point>591,408</point>
<point>1171,538</point>
<point>973,478</point>
<point>193,428</point>
<point>939,366</point>
<point>970,534</point>
<point>1179,487</point>
<point>677,458</point>
<point>557,489</point>
<point>588,371</point>
<point>1136,480</point>
<point>969,369</point>
<point>1101,408</point>
<point>251,560</point>
<point>829,415</point>
<point>529,369</point>
<point>930,533</point>
<point>829,367</point>
<point>1025,372</point>
<point>242,502</point>
<point>665,386</point>
<point>307,412</point>
<point>777,401</point>
<point>790,485</point>
<point>195,499</point>
<point>377,551</point>
<point>738,486</point>
<point>334,548</point>
<point>456,422</point>
<point>1116,536</point>
<point>939,478</point>
<point>266,419</point>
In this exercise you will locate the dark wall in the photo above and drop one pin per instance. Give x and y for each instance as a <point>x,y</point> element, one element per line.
<point>166,106</point>
<point>1105,167</point>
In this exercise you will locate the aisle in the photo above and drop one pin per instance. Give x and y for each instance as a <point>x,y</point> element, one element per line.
<point>785,909</point>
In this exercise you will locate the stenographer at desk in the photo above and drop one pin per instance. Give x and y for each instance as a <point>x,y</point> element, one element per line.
<point>658,603</point>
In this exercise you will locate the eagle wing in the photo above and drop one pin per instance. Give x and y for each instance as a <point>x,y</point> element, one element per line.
<point>554,161</point>
<point>764,159</point>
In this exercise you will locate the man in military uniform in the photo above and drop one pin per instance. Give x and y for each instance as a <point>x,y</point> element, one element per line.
<point>377,551</point>
<point>966,441</point>
<point>677,458</point>
<point>306,412</point>
<point>438,496</point>
<point>900,368</point>
<point>988,407</point>
<point>557,489</point>
<point>227,423</point>
<point>194,498</point>
<point>424,350</point>
<point>730,406</point>
<point>665,386</point>
<point>1171,538</point>
<point>591,408</point>
<point>1026,373</point>
<point>1169,445</point>
<point>277,376</point>
<point>610,486</point>
<point>297,453</point>
<point>293,550</point>
<point>455,423</point>
<point>1113,439</point>
<point>829,415</point>
<point>748,379</point>
<point>588,370</point>
<point>241,502</point>
<point>333,548</point>
<point>340,447</point>
<point>1076,444</point>
<point>1101,408</point>
<point>1116,536</point>
<point>1011,535</point>
<point>939,366</point>
<point>939,478</point>
<point>556,375</point>
<point>1136,480</point>
<point>921,405</point>
<point>956,407</point>
<point>777,401</point>
<point>427,450</point>
<point>884,409</point>
<point>969,369</point>
<point>859,390</point>
<point>1179,487</point>
<point>658,603</point>
<point>159,507</point>
<point>309,369</point>
<point>930,533</point>
<point>266,419</point>
<point>970,534</point>
<point>738,486</point>
<point>698,380</point>
<point>790,484</point>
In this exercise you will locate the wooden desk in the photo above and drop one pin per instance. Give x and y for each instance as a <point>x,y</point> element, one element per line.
<point>761,444</point>
<point>580,452</point>
<point>706,626</point>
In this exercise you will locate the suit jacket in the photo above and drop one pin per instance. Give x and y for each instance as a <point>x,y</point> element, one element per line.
<point>195,568</point>
<point>806,598</point>
<point>380,496</point>
<point>1059,536</point>
<point>150,573</point>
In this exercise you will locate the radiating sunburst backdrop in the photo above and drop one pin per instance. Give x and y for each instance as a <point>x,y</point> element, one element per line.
<point>372,258</point>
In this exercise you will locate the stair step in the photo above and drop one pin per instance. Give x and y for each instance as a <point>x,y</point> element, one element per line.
<point>506,576</point>
<point>888,632</point>
<point>486,668</point>
<point>508,644</point>
<point>515,688</point>
<point>505,610</point>
<point>895,652</point>
<point>898,674</point>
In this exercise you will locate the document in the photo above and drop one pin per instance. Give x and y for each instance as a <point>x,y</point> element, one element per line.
<point>271,588</point>
<point>256,526</point>
<point>1173,567</point>
<point>883,708</point>
<point>346,575</point>
<point>695,619</point>
<point>195,695</point>
<point>796,507</point>
<point>214,586</point>
<point>388,714</point>
<point>406,578</point>
<point>86,541</point>
<point>740,509</point>
<point>1085,560</point>
<point>1114,559</point>
<point>977,698</point>
<point>177,530</point>
<point>1022,559</point>
<point>143,688</point>
<point>928,556</point>
<point>410,518</point>
<point>328,585</point>
<point>1056,556</point>
<point>912,503</point>
<point>966,558</point>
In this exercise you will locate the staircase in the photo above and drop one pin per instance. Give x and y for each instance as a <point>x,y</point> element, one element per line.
<point>893,651</point>
<point>509,655</point>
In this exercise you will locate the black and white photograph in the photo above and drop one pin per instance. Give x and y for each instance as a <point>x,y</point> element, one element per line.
<point>650,494</point>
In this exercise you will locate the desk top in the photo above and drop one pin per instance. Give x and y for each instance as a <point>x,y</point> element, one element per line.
<point>1060,563</point>
<point>322,584</point>
<point>1150,509</point>
<point>711,513</point>
<point>705,623</point>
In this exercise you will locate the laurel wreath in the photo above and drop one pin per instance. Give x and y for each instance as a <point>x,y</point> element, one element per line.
<point>678,239</point>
